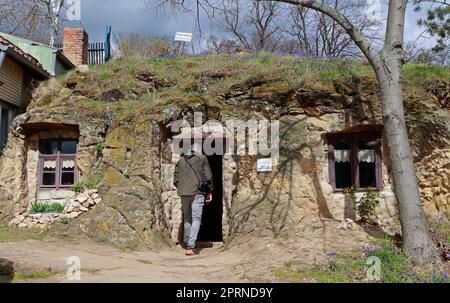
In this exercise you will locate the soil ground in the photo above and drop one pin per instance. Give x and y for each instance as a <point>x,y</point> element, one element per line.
<point>247,260</point>
<point>302,256</point>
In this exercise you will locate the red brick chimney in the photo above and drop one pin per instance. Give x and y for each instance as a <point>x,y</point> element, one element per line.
<point>75,48</point>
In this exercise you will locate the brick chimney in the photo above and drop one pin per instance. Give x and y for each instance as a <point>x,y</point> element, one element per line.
<point>75,48</point>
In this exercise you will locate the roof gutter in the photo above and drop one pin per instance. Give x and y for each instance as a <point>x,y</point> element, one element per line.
<point>54,56</point>
<point>5,50</point>
<point>57,53</point>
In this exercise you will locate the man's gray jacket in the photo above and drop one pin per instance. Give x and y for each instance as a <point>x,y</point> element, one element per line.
<point>185,179</point>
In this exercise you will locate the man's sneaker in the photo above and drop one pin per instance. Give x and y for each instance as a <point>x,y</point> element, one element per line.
<point>190,252</point>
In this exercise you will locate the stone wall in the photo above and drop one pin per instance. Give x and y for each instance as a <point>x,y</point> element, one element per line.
<point>298,189</point>
<point>74,207</point>
<point>53,196</point>
<point>136,164</point>
<point>433,174</point>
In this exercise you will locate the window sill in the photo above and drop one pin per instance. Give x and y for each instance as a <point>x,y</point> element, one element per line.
<point>360,190</point>
<point>55,188</point>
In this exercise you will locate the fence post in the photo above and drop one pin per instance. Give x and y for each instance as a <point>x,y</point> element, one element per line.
<point>107,48</point>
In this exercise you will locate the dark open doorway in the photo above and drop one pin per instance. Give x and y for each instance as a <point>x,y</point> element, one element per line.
<point>211,228</point>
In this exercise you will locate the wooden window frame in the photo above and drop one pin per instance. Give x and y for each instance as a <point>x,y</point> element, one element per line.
<point>354,138</point>
<point>58,157</point>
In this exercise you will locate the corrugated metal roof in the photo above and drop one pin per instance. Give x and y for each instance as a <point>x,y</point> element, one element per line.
<point>44,54</point>
<point>15,48</point>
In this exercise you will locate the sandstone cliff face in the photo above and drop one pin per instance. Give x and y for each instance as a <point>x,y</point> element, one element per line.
<point>136,159</point>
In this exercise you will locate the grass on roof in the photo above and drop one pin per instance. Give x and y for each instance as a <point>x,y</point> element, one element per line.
<point>196,78</point>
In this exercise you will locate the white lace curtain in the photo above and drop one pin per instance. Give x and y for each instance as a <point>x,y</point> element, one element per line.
<point>66,164</point>
<point>342,155</point>
<point>50,164</point>
<point>364,155</point>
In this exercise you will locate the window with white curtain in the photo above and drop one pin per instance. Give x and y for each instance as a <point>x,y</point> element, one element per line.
<point>57,164</point>
<point>354,160</point>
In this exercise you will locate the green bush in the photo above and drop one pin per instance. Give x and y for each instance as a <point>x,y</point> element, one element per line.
<point>78,187</point>
<point>64,221</point>
<point>99,147</point>
<point>39,208</point>
<point>56,207</point>
<point>92,182</point>
<point>89,183</point>
<point>349,192</point>
<point>367,204</point>
<point>47,208</point>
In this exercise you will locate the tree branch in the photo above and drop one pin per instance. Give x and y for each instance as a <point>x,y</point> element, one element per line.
<point>358,37</point>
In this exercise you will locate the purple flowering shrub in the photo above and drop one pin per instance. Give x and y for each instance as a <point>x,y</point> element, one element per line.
<point>396,267</point>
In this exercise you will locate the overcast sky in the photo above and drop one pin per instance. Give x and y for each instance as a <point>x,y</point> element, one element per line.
<point>132,16</point>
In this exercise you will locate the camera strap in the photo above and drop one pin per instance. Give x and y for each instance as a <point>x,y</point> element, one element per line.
<point>188,162</point>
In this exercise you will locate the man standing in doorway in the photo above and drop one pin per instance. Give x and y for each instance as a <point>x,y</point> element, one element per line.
<point>194,182</point>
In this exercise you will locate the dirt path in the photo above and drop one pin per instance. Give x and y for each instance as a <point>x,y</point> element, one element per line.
<point>101,263</point>
<point>249,260</point>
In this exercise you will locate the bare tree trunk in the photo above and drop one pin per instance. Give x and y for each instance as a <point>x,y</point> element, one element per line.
<point>415,235</point>
<point>417,242</point>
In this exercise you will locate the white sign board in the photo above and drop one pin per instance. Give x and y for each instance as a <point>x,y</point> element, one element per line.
<point>183,37</point>
<point>264,165</point>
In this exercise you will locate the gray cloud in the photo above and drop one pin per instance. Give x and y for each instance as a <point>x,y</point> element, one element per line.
<point>132,16</point>
<point>128,16</point>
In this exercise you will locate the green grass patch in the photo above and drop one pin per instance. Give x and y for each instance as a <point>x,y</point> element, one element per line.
<point>340,269</point>
<point>187,71</point>
<point>8,234</point>
<point>395,267</point>
<point>442,227</point>
<point>106,76</point>
<point>285,236</point>
<point>47,208</point>
<point>419,72</point>
<point>64,221</point>
<point>207,78</point>
<point>90,182</point>
<point>128,248</point>
<point>64,237</point>
<point>32,276</point>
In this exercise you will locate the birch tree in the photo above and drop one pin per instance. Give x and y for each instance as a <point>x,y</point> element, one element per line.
<point>53,10</point>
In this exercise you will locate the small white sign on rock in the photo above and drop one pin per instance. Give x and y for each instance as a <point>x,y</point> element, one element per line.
<point>264,165</point>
